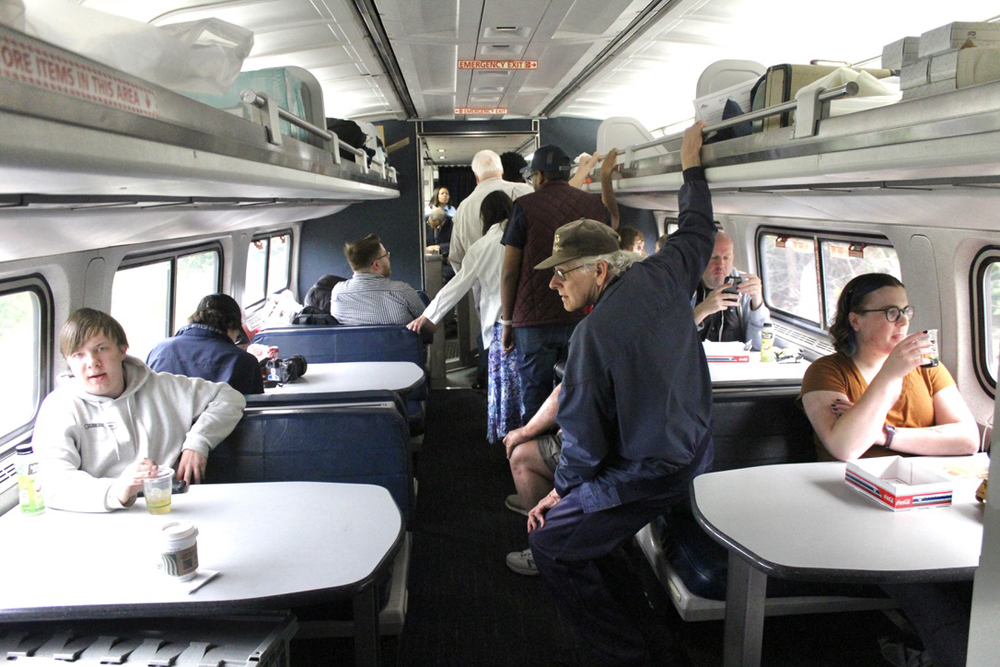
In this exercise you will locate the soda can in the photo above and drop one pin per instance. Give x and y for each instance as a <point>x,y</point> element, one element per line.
<point>932,359</point>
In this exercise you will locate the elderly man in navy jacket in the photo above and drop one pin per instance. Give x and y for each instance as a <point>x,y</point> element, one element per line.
<point>635,408</point>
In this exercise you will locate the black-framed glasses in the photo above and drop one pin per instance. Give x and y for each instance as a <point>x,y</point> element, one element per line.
<point>562,273</point>
<point>529,175</point>
<point>892,313</point>
<point>386,255</point>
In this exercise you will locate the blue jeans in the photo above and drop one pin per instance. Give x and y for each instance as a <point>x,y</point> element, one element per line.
<point>538,349</point>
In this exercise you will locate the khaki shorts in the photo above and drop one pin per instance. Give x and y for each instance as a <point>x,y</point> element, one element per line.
<point>550,447</point>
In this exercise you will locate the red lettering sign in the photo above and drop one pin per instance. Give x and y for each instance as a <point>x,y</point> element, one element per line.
<point>70,76</point>
<point>497,64</point>
<point>481,111</point>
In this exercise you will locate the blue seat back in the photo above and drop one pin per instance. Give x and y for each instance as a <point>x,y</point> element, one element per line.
<point>365,444</point>
<point>332,344</point>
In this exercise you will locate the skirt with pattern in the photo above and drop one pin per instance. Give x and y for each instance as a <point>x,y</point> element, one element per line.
<point>503,392</point>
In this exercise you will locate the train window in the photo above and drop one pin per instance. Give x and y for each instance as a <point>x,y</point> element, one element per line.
<point>986,303</point>
<point>843,260</point>
<point>24,335</point>
<point>804,275</point>
<point>153,299</point>
<point>268,266</point>
<point>991,290</point>
<point>197,275</point>
<point>789,275</point>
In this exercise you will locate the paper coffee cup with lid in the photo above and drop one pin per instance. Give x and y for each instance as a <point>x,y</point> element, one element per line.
<point>179,550</point>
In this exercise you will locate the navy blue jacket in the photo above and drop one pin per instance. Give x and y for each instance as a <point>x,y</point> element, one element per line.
<point>636,400</point>
<point>199,351</point>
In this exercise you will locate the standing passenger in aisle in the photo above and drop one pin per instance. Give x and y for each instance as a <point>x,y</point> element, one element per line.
<point>468,228</point>
<point>482,268</point>
<point>535,324</point>
<point>635,412</point>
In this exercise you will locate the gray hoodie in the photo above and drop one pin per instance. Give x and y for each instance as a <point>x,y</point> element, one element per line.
<point>85,442</point>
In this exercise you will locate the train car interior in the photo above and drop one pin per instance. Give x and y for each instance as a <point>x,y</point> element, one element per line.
<point>155,152</point>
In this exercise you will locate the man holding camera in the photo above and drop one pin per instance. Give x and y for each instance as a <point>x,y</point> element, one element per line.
<point>728,305</point>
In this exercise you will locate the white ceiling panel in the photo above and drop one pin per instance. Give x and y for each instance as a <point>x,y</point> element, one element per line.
<point>651,76</point>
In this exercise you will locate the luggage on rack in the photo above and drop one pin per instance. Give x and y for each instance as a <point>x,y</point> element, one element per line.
<point>781,82</point>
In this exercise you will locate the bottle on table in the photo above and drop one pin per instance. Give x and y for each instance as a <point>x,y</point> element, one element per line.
<point>767,342</point>
<point>29,487</point>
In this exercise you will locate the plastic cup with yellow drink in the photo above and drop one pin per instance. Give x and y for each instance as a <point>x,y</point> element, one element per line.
<point>156,490</point>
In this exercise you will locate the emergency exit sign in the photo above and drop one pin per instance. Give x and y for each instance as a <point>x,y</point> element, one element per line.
<point>497,64</point>
<point>481,111</point>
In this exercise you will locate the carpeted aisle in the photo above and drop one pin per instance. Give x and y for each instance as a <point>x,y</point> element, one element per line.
<point>466,607</point>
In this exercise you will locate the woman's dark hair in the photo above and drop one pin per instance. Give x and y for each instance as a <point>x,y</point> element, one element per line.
<point>513,163</point>
<point>219,311</point>
<point>853,299</point>
<point>496,207</point>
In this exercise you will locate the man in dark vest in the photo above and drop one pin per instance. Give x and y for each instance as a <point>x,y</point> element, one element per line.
<point>534,320</point>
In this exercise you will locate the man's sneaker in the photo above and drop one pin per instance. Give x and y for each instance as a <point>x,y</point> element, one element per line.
<point>513,503</point>
<point>522,562</point>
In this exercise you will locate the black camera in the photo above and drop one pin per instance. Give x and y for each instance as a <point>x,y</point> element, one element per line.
<point>282,371</point>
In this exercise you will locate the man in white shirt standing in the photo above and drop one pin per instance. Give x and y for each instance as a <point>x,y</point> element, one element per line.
<point>468,228</point>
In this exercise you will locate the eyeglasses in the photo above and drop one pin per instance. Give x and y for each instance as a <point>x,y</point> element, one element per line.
<point>561,273</point>
<point>387,255</point>
<point>892,313</point>
<point>529,175</point>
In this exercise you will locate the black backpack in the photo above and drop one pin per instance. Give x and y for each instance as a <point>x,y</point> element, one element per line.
<point>312,315</point>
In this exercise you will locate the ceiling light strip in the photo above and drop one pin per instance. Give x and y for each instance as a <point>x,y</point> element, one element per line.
<point>653,12</point>
<point>383,49</point>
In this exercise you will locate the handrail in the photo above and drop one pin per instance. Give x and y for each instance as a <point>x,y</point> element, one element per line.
<point>262,101</point>
<point>849,89</point>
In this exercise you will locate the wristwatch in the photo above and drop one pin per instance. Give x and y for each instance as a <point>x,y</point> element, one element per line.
<point>890,433</point>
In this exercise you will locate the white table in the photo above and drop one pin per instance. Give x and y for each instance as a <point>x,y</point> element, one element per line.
<point>275,545</point>
<point>355,376</point>
<point>754,371</point>
<point>801,521</point>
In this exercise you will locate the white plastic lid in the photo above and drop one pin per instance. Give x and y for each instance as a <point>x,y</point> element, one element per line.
<point>179,530</point>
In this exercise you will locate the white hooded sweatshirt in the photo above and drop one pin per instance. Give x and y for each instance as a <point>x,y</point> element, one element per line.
<point>85,442</point>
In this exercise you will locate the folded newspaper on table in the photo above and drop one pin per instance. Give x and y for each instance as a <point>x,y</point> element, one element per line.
<point>726,352</point>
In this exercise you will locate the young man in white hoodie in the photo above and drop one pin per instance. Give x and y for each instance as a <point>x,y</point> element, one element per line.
<point>112,421</point>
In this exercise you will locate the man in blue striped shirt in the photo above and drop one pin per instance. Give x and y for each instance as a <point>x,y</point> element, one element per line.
<point>370,297</point>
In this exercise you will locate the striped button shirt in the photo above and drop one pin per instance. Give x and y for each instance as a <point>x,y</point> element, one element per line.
<point>368,298</point>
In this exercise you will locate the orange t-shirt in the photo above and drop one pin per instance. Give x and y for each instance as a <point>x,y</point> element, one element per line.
<point>914,409</point>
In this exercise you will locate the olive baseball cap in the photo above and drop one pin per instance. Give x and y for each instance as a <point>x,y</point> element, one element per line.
<point>581,238</point>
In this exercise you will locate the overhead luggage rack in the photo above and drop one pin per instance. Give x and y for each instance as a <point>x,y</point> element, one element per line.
<point>933,143</point>
<point>78,132</point>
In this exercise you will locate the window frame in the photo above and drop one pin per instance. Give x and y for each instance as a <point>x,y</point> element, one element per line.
<point>172,255</point>
<point>37,285</point>
<point>981,263</point>
<point>818,239</point>
<point>289,232</point>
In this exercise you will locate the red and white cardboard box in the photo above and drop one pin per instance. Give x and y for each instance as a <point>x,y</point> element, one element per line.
<point>899,483</point>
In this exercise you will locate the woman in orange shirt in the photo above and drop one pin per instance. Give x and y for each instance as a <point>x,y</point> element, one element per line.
<point>873,398</point>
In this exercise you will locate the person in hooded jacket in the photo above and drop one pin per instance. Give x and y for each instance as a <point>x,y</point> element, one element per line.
<point>208,347</point>
<point>113,422</point>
